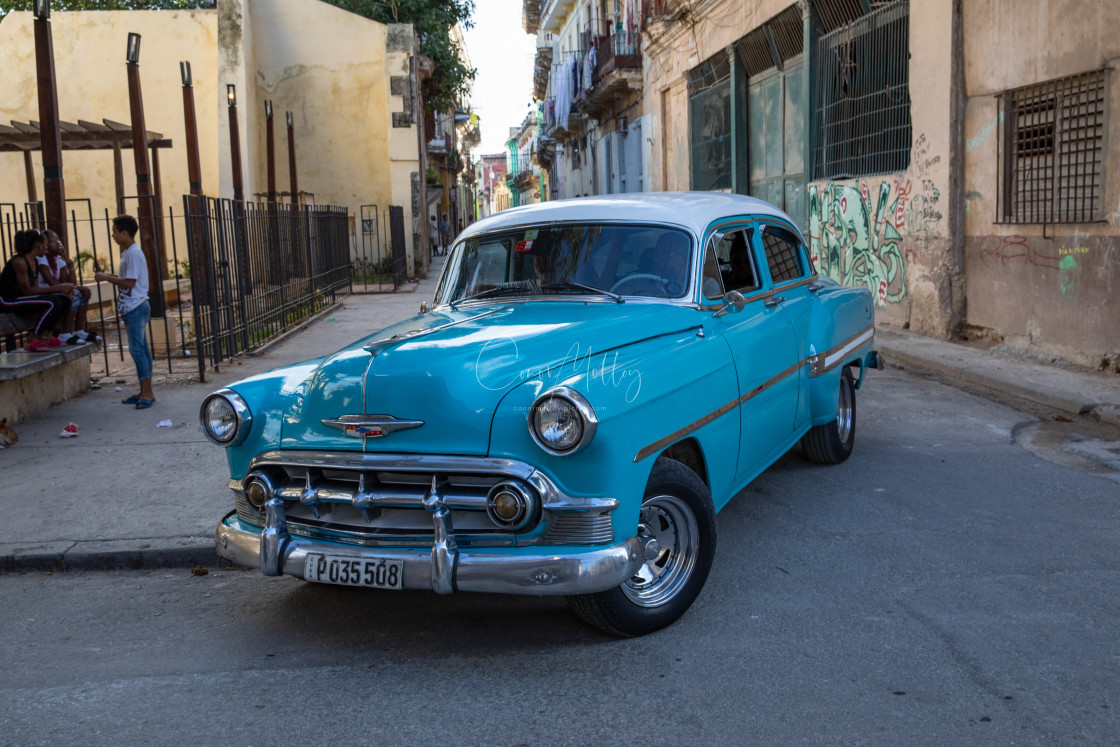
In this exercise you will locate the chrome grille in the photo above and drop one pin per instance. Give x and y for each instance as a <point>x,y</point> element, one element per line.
<point>378,500</point>
<point>576,529</point>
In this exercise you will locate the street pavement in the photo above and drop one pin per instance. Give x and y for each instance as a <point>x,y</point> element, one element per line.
<point>145,489</point>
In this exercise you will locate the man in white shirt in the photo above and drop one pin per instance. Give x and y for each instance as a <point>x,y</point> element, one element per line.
<point>132,305</point>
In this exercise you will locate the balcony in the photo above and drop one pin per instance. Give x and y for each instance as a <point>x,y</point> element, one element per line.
<point>554,13</point>
<point>531,15</point>
<point>618,71</point>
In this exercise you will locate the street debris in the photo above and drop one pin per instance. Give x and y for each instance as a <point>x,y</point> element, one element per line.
<point>165,424</point>
<point>8,437</point>
<point>199,570</point>
<point>70,431</point>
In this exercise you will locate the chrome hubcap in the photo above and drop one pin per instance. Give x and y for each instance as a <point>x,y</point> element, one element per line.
<point>671,537</point>
<point>844,412</point>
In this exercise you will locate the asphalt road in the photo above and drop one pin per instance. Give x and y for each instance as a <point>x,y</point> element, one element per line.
<point>946,585</point>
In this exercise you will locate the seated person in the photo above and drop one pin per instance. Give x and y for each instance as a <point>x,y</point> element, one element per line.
<point>46,306</point>
<point>55,267</point>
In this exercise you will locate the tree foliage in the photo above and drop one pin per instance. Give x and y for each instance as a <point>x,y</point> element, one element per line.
<point>7,6</point>
<point>450,81</point>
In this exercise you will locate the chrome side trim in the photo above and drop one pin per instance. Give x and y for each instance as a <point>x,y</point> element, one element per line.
<point>822,363</point>
<point>680,433</point>
<point>696,425</point>
<point>551,574</point>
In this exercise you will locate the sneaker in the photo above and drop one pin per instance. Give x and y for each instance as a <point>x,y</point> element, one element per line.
<point>36,346</point>
<point>54,342</point>
<point>65,338</point>
<point>70,431</point>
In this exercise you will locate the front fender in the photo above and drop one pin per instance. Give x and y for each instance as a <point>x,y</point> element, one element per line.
<point>641,394</point>
<point>269,397</point>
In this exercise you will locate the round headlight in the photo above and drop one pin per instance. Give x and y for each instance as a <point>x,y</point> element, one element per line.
<point>225,418</point>
<point>561,421</point>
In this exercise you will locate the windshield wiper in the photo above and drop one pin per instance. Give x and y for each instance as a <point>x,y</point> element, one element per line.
<point>491,292</point>
<point>569,285</point>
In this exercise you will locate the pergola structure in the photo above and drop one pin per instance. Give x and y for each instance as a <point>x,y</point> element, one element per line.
<point>114,136</point>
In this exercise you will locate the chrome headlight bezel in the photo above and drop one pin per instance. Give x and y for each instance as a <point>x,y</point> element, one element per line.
<point>589,422</point>
<point>240,410</point>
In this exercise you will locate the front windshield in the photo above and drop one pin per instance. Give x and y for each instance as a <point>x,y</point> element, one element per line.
<point>607,259</point>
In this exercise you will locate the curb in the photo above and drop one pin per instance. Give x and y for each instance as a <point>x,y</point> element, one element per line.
<point>112,555</point>
<point>998,381</point>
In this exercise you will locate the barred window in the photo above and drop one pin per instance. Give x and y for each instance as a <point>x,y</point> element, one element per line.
<point>863,95</point>
<point>1053,150</point>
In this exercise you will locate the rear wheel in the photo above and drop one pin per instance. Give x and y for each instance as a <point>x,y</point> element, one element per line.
<point>832,442</point>
<point>677,526</point>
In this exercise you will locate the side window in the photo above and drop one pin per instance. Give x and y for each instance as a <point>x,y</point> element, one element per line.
<point>732,262</point>
<point>783,254</point>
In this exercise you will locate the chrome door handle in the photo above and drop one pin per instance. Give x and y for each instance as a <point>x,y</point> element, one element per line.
<point>773,301</point>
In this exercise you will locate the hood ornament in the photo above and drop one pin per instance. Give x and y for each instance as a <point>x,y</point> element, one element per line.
<point>370,426</point>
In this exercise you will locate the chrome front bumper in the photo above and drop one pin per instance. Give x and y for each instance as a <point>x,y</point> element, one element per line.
<point>444,568</point>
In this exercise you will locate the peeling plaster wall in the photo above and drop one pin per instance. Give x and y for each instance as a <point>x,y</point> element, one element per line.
<point>330,68</point>
<point>894,233</point>
<point>1054,289</point>
<point>89,51</point>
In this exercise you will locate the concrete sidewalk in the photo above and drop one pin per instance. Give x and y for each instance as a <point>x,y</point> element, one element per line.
<point>131,492</point>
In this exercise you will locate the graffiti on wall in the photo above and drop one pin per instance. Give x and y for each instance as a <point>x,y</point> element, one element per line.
<point>856,241</point>
<point>860,235</point>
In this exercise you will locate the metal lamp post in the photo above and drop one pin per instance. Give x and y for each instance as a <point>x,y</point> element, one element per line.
<point>50,134</point>
<point>292,159</point>
<point>146,213</point>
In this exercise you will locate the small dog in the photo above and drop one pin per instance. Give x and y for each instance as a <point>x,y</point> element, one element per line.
<point>8,437</point>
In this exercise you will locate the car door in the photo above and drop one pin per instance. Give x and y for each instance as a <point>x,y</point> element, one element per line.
<point>762,344</point>
<point>791,277</point>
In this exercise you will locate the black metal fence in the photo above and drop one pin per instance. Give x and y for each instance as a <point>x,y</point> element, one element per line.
<point>257,270</point>
<point>236,276</point>
<point>379,263</point>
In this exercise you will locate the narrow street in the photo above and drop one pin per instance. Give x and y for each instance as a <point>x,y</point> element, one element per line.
<point>946,585</point>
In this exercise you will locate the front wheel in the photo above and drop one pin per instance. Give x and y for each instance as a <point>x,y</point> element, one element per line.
<point>832,442</point>
<point>677,527</point>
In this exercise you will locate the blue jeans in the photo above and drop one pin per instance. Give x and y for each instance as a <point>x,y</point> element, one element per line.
<point>136,325</point>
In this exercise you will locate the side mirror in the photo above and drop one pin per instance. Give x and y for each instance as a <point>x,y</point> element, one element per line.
<point>423,307</point>
<point>732,300</point>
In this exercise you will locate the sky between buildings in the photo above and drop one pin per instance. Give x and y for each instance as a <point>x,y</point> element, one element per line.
<point>502,53</point>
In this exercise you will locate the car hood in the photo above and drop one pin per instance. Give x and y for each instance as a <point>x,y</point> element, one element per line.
<point>451,368</point>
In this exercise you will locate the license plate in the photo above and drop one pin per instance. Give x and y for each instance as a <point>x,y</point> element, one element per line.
<point>376,573</point>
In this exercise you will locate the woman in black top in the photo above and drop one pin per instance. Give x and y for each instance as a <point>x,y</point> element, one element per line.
<point>18,294</point>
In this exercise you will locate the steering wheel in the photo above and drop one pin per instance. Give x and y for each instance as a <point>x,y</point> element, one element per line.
<point>638,276</point>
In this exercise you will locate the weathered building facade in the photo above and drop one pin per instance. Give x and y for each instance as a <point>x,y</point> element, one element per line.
<point>954,156</point>
<point>351,86</point>
<point>591,95</point>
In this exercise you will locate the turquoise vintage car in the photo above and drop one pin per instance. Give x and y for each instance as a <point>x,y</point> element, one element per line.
<point>593,381</point>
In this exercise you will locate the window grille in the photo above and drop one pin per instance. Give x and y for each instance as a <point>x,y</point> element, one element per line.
<point>863,96</point>
<point>1053,150</point>
<point>781,255</point>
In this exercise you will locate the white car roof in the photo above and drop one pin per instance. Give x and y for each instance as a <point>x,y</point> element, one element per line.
<point>692,210</point>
